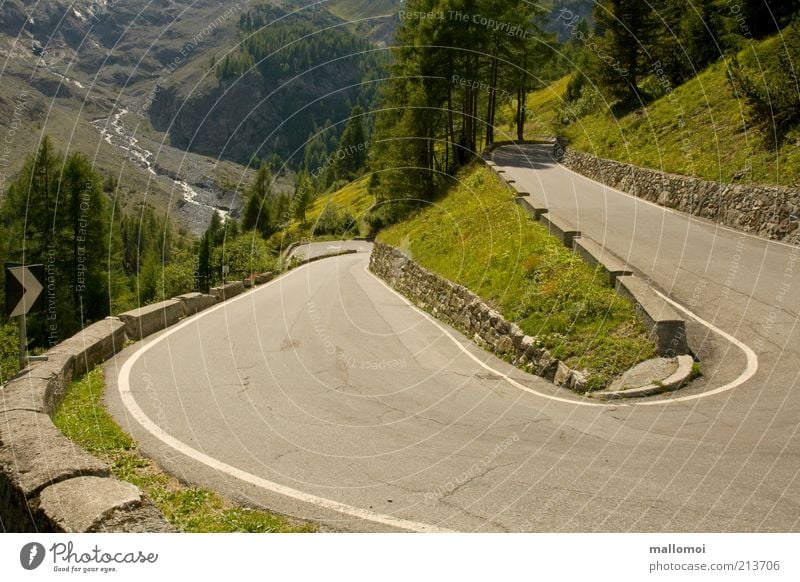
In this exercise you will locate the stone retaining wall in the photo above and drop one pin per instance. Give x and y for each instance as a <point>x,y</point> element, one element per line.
<point>49,484</point>
<point>459,307</point>
<point>769,211</point>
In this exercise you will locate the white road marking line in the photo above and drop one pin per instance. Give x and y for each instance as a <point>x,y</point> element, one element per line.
<point>749,371</point>
<point>752,359</point>
<point>139,415</point>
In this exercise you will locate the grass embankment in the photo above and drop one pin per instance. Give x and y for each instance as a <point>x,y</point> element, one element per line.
<point>478,237</point>
<point>335,215</point>
<point>542,108</point>
<point>698,129</point>
<point>82,418</point>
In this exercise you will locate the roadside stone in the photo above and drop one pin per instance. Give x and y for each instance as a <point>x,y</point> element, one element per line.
<point>578,381</point>
<point>504,345</point>
<point>144,518</point>
<point>645,373</point>
<point>78,505</point>
<point>35,453</point>
<point>562,374</point>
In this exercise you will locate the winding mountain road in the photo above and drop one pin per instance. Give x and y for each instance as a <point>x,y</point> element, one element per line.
<point>326,395</point>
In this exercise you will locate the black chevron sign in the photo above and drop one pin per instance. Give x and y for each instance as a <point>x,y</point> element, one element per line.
<point>24,285</point>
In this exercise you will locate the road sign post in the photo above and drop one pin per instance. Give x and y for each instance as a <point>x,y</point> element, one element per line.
<point>24,285</point>
<point>23,341</point>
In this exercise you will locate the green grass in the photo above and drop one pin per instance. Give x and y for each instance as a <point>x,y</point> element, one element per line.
<point>353,198</point>
<point>9,352</point>
<point>699,129</point>
<point>542,107</point>
<point>82,418</point>
<point>478,237</point>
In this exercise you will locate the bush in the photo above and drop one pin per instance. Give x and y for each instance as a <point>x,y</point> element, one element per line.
<point>328,221</point>
<point>384,215</point>
<point>244,255</point>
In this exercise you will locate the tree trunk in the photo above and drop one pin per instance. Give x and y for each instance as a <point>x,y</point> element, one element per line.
<point>492,103</point>
<point>522,99</point>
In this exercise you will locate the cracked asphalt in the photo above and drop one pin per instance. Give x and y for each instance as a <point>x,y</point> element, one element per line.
<point>327,382</point>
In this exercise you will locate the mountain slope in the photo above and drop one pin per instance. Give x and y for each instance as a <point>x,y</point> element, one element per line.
<point>700,128</point>
<point>290,74</point>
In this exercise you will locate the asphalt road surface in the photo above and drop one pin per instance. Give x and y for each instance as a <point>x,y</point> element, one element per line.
<point>327,396</point>
<point>321,249</point>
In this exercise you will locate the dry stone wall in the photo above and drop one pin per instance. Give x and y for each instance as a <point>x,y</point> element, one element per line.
<point>768,211</point>
<point>459,307</point>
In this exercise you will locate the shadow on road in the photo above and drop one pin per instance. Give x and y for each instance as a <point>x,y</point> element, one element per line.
<point>537,157</point>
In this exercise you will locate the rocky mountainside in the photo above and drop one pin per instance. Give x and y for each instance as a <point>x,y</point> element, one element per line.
<point>75,71</point>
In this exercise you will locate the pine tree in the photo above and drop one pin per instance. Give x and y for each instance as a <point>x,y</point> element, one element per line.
<point>257,209</point>
<point>55,214</point>
<point>352,156</point>
<point>304,194</point>
<point>628,28</point>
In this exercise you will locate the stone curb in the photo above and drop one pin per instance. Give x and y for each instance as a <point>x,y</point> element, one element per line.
<point>326,256</point>
<point>227,291</point>
<point>596,254</point>
<point>49,484</point>
<point>560,229</point>
<point>676,380</point>
<point>144,321</point>
<point>665,326</point>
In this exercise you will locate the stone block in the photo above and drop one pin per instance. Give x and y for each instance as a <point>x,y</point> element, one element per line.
<point>596,254</point>
<point>562,374</point>
<point>82,504</point>
<point>94,344</point>
<point>535,211</point>
<point>227,291</point>
<point>34,453</point>
<point>140,323</point>
<point>195,302</point>
<point>560,229</point>
<point>666,328</point>
<point>263,278</point>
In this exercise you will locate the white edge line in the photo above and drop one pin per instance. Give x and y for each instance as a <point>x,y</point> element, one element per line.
<point>749,371</point>
<point>477,360</point>
<point>139,415</point>
<point>752,359</point>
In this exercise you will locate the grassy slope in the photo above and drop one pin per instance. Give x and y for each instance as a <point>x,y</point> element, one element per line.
<point>356,9</point>
<point>479,238</point>
<point>353,198</point>
<point>699,129</point>
<point>542,107</point>
<point>82,418</point>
